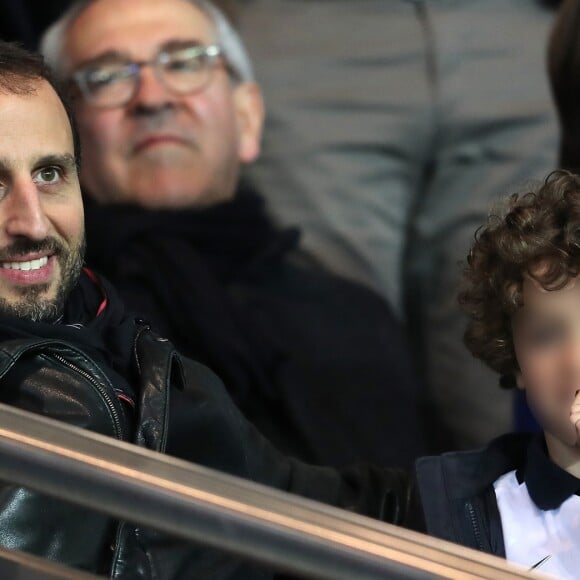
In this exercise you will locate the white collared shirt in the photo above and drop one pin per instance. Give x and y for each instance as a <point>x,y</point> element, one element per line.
<point>531,533</point>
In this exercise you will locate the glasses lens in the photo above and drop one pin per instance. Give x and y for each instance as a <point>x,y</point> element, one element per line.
<point>108,85</point>
<point>186,70</point>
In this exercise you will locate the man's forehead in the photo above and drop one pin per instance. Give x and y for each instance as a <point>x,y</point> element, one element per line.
<point>137,29</point>
<point>34,124</point>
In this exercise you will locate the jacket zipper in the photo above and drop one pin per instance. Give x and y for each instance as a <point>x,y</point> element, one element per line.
<point>475,525</point>
<point>108,400</point>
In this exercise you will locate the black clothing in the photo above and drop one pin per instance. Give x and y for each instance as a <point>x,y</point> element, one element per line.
<point>458,496</point>
<point>148,394</point>
<point>317,363</point>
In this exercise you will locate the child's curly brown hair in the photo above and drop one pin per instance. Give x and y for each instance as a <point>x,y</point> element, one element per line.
<point>533,229</point>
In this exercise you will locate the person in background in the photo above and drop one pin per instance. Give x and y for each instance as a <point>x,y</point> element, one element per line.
<point>393,126</point>
<point>564,67</point>
<point>168,112</point>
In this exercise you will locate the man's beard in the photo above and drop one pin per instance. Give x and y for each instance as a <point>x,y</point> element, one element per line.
<point>31,305</point>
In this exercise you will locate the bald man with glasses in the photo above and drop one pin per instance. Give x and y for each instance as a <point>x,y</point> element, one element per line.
<point>168,114</point>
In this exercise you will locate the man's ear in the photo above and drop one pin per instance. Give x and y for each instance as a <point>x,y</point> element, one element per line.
<point>520,381</point>
<point>249,106</point>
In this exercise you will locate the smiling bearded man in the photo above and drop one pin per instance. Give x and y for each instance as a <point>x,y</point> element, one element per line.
<point>41,212</point>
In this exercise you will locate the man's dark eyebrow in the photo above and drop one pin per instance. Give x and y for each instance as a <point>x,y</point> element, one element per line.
<point>65,160</point>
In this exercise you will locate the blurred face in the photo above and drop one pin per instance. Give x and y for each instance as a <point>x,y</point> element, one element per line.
<point>41,212</point>
<point>161,149</point>
<point>546,333</point>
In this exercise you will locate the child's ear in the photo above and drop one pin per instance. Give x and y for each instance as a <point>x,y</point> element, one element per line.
<point>520,381</point>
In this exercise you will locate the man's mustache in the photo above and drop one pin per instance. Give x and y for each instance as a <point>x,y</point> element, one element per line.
<point>24,246</point>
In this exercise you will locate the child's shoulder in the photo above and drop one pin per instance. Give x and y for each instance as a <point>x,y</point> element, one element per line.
<point>467,473</point>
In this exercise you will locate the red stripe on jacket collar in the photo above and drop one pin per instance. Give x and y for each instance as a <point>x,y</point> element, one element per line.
<point>96,280</point>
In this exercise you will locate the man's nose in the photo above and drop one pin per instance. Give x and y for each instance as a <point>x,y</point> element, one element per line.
<point>24,215</point>
<point>151,93</point>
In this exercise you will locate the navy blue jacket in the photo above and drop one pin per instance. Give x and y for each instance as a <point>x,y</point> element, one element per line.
<point>457,492</point>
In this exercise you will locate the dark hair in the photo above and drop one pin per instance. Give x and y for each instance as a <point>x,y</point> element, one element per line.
<point>20,69</point>
<point>537,228</point>
<point>564,72</point>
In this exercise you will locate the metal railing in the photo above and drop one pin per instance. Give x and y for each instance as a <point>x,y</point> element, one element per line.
<point>195,503</point>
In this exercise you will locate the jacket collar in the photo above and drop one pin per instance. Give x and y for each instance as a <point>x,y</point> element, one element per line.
<point>548,484</point>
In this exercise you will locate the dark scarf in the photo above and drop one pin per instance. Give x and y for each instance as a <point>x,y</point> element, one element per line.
<point>178,268</point>
<point>94,320</point>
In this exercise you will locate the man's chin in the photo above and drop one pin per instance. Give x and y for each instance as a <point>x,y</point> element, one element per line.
<point>39,311</point>
<point>171,187</point>
<point>37,304</point>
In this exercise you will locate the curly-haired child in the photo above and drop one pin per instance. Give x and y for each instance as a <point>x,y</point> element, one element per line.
<point>519,496</point>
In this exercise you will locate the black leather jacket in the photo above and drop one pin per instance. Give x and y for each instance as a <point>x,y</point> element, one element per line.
<point>181,409</point>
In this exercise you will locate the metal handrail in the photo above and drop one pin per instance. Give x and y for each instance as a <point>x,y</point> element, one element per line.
<point>225,512</point>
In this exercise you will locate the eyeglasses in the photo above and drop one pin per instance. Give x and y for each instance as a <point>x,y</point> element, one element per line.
<point>182,70</point>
